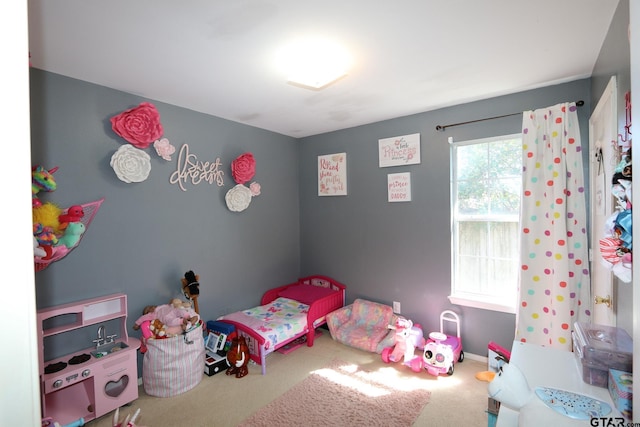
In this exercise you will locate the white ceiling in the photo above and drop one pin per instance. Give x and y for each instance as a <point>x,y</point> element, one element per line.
<point>217,57</point>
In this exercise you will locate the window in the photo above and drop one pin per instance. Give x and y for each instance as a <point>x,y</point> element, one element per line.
<point>486,186</point>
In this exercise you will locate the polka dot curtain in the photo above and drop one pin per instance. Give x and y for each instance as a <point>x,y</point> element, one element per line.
<point>554,275</point>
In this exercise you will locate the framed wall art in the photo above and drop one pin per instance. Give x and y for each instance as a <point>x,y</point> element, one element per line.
<point>399,150</point>
<point>332,175</point>
<point>399,187</point>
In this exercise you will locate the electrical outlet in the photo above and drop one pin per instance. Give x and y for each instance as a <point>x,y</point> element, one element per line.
<point>396,307</point>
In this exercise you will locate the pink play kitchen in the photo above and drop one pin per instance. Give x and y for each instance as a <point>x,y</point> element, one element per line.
<point>87,362</point>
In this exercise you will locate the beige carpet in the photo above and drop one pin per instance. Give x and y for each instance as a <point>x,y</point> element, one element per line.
<point>343,393</point>
<point>223,401</point>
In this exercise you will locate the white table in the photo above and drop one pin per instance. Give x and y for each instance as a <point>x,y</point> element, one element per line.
<point>548,367</point>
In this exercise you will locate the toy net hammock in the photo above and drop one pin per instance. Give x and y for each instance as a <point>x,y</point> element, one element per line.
<point>90,210</point>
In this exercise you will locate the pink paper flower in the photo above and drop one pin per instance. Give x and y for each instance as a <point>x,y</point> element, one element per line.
<point>255,189</point>
<point>164,148</point>
<point>243,168</point>
<point>139,126</point>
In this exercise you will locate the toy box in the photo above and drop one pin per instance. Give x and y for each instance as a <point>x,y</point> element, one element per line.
<point>215,359</point>
<point>599,348</point>
<point>214,363</point>
<point>621,391</point>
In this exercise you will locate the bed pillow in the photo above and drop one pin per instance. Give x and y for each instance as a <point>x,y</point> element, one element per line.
<point>305,293</point>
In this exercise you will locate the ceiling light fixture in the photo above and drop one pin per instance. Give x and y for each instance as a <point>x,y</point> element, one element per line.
<point>314,63</point>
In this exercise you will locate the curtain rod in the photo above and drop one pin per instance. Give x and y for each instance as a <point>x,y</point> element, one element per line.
<point>441,128</point>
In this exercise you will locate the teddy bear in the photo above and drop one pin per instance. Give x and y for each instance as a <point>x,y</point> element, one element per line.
<point>158,329</point>
<point>238,357</point>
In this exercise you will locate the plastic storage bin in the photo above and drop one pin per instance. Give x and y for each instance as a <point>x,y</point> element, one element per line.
<point>598,348</point>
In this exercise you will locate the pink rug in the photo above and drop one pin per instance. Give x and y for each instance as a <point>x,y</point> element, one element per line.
<point>344,394</point>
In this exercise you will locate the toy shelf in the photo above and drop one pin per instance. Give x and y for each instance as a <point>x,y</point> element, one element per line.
<point>88,312</point>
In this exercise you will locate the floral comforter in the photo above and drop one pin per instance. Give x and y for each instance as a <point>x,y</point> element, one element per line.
<point>278,321</point>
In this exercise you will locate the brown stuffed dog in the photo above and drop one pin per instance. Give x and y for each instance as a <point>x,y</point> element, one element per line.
<point>238,357</point>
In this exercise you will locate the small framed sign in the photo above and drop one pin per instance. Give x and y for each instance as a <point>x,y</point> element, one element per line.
<point>399,187</point>
<point>399,150</point>
<point>332,175</point>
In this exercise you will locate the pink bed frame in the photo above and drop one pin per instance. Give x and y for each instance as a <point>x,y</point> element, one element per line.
<point>315,317</point>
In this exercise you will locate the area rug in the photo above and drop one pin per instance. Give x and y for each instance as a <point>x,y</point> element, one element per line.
<point>345,394</point>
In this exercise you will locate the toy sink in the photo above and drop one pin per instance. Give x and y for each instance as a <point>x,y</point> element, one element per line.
<point>107,349</point>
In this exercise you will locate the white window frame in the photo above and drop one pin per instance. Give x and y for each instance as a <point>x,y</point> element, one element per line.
<point>460,296</point>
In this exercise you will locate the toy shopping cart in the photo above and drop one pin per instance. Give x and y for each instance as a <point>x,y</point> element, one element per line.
<point>441,350</point>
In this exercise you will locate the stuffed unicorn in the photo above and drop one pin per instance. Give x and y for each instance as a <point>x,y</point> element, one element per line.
<point>41,180</point>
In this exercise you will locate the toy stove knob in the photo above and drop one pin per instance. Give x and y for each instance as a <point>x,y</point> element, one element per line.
<point>57,383</point>
<point>86,373</point>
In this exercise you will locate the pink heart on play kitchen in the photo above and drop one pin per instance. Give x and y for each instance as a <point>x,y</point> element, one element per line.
<point>115,388</point>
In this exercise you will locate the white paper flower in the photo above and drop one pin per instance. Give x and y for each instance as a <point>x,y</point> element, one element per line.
<point>238,198</point>
<point>131,164</point>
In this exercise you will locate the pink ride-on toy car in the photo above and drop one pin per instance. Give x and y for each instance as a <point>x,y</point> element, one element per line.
<point>408,337</point>
<point>442,351</point>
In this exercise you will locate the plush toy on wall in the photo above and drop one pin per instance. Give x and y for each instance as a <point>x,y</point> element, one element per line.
<point>72,234</point>
<point>55,229</point>
<point>74,214</point>
<point>41,180</point>
<point>238,357</point>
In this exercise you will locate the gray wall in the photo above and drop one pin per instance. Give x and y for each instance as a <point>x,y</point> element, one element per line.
<point>401,251</point>
<point>614,60</point>
<point>148,234</point>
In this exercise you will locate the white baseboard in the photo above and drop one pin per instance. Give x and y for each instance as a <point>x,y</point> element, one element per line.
<point>476,357</point>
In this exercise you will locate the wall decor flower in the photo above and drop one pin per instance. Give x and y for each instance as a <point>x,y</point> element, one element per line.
<point>139,126</point>
<point>131,164</point>
<point>238,198</point>
<point>164,148</point>
<point>255,189</point>
<point>243,168</point>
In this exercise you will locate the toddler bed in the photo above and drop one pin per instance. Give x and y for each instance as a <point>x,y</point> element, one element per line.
<point>286,313</point>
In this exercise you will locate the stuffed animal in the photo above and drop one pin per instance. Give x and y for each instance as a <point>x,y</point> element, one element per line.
<point>46,215</point>
<point>74,214</point>
<point>38,250</point>
<point>545,406</point>
<point>188,315</point>
<point>45,236</point>
<point>175,317</point>
<point>72,234</point>
<point>158,329</point>
<point>238,357</point>
<point>41,180</point>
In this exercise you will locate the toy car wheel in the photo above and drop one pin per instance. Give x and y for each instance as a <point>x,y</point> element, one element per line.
<point>450,371</point>
<point>385,354</point>
<point>461,357</point>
